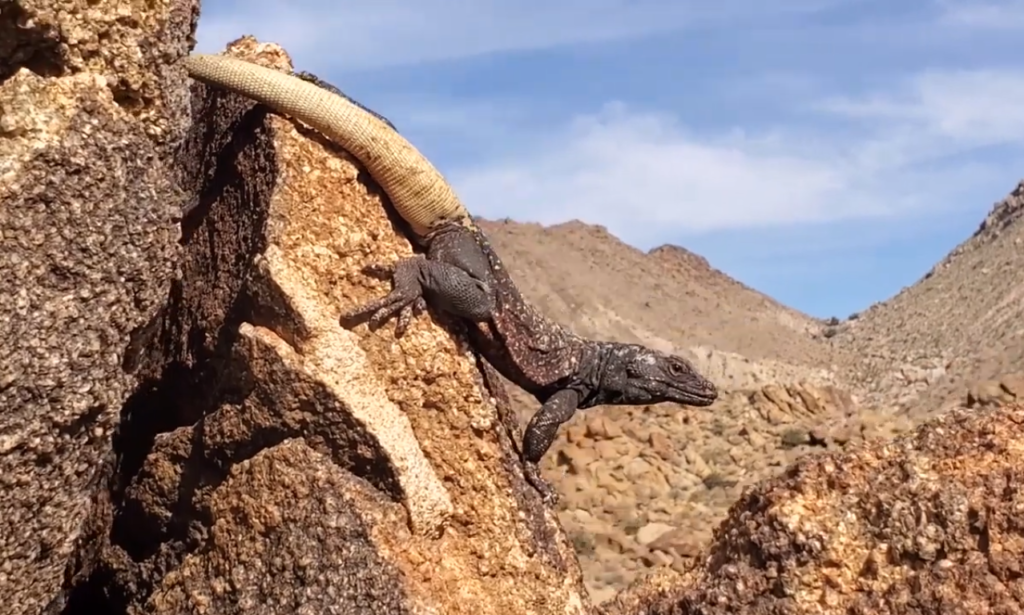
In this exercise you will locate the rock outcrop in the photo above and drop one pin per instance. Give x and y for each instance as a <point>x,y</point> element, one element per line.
<point>90,116</point>
<point>928,523</point>
<point>993,392</point>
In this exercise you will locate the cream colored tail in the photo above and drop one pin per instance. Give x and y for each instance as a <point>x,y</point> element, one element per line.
<point>417,190</point>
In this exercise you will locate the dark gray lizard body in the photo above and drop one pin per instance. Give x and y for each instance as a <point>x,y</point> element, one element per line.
<point>461,273</point>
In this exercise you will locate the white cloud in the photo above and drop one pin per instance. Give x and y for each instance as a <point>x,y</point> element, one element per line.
<point>617,166</point>
<point>980,107</point>
<point>360,34</point>
<point>988,14</point>
<point>641,173</point>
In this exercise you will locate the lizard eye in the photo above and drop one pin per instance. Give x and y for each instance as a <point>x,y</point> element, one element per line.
<point>675,369</point>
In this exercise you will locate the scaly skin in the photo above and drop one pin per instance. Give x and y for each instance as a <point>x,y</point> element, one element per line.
<point>462,274</point>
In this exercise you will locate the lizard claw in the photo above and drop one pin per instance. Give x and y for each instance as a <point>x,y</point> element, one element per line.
<point>548,495</point>
<point>406,314</point>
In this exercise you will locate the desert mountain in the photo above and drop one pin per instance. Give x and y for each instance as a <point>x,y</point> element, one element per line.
<point>960,323</point>
<point>642,487</point>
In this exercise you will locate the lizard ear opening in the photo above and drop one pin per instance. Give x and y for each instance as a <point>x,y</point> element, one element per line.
<point>638,366</point>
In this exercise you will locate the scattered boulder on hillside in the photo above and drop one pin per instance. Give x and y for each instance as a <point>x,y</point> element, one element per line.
<point>1008,388</point>
<point>1004,213</point>
<point>932,522</point>
<point>785,403</point>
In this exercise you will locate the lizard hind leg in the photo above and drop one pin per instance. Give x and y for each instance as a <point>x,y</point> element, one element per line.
<point>415,282</point>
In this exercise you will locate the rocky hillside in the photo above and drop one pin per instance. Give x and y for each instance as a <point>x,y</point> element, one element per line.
<point>908,526</point>
<point>961,323</point>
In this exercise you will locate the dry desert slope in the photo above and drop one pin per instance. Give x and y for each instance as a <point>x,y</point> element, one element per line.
<point>962,323</point>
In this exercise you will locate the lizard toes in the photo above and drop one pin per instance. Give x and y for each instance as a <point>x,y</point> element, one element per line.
<point>397,302</point>
<point>379,269</point>
<point>405,315</point>
<point>371,307</point>
<point>547,493</point>
<point>419,306</point>
<point>383,315</point>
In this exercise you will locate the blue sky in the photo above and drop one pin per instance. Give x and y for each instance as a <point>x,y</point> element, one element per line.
<point>825,152</point>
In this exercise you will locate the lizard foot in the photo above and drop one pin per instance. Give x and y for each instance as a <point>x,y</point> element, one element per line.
<point>405,299</point>
<point>548,495</point>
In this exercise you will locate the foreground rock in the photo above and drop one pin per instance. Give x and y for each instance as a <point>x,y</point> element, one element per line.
<point>932,522</point>
<point>280,461</point>
<point>90,115</point>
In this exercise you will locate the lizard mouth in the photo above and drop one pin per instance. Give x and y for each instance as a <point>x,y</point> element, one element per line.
<point>703,396</point>
<point>700,400</point>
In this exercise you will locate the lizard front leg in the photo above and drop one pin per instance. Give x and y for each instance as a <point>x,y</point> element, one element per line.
<point>541,432</point>
<point>417,278</point>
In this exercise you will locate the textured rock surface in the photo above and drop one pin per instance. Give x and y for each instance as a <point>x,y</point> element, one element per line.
<point>932,522</point>
<point>90,114</point>
<point>280,459</point>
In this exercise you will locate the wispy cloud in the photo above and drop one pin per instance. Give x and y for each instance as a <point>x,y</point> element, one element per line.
<point>988,14</point>
<point>396,32</point>
<point>977,107</point>
<point>641,172</point>
<point>636,170</point>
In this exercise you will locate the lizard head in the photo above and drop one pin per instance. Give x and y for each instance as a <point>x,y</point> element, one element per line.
<point>639,375</point>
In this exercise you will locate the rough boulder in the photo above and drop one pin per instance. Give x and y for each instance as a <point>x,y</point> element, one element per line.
<point>932,522</point>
